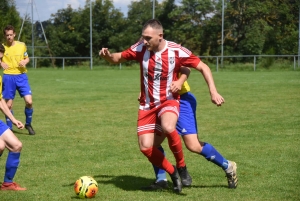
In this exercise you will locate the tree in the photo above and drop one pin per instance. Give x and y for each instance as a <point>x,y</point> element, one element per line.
<point>256,27</point>
<point>9,16</point>
<point>190,18</point>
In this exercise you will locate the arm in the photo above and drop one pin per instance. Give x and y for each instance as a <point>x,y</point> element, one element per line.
<point>6,111</point>
<point>24,62</point>
<point>113,58</point>
<point>184,74</point>
<point>216,98</point>
<point>4,65</point>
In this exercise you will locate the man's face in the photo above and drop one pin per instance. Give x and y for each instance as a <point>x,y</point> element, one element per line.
<point>9,35</point>
<point>151,38</point>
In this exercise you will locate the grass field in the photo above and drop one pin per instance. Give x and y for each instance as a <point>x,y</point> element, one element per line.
<point>86,125</point>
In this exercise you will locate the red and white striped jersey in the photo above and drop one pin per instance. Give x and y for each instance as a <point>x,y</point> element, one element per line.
<point>158,70</point>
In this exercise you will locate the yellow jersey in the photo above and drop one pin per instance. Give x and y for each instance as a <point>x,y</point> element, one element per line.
<point>0,88</point>
<point>185,88</point>
<point>12,57</point>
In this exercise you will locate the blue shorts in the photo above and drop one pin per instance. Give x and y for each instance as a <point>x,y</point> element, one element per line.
<point>11,83</point>
<point>187,123</point>
<point>3,127</point>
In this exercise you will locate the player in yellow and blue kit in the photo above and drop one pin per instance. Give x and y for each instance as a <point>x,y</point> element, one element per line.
<point>14,76</point>
<point>187,128</point>
<point>11,142</point>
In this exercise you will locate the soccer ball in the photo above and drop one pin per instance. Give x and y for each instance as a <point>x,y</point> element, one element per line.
<point>86,187</point>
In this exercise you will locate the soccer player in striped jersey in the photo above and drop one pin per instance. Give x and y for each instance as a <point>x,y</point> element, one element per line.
<point>187,128</point>
<point>11,142</point>
<point>15,76</point>
<point>160,61</point>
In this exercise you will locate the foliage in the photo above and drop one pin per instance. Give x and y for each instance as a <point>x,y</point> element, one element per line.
<point>250,27</point>
<point>9,16</point>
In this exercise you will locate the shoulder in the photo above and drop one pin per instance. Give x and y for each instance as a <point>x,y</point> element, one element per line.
<point>137,47</point>
<point>183,52</point>
<point>19,43</point>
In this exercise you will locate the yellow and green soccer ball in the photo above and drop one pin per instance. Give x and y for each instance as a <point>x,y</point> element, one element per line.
<point>86,187</point>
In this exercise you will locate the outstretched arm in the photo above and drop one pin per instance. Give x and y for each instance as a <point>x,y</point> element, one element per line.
<point>113,58</point>
<point>216,98</point>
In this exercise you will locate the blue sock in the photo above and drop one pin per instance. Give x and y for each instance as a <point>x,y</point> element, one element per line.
<point>12,162</point>
<point>211,154</point>
<point>8,121</point>
<point>28,114</point>
<point>160,173</point>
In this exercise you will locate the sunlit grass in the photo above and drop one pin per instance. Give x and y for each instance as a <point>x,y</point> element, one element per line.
<point>86,125</point>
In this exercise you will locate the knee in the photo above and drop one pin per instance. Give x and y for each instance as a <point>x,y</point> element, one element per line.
<point>194,146</point>
<point>9,105</point>
<point>17,147</point>
<point>28,103</point>
<point>145,145</point>
<point>169,128</point>
<point>2,147</point>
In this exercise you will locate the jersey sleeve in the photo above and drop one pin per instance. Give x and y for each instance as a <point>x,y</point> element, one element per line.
<point>191,61</point>
<point>129,54</point>
<point>133,52</point>
<point>25,52</point>
<point>187,58</point>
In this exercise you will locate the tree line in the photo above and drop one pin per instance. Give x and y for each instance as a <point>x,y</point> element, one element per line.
<point>251,27</point>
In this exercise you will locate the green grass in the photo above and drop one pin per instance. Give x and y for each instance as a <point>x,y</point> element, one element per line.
<point>86,125</point>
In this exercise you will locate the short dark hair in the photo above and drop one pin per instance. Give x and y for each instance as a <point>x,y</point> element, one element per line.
<point>7,28</point>
<point>154,23</point>
<point>2,49</point>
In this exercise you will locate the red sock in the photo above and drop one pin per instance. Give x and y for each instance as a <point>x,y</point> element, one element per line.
<point>158,159</point>
<point>176,148</point>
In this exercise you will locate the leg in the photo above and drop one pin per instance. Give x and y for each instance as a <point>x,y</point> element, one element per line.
<point>168,123</point>
<point>2,147</point>
<point>148,124</point>
<point>14,146</point>
<point>207,150</point>
<point>158,159</point>
<point>187,127</point>
<point>9,103</point>
<point>160,174</point>
<point>9,88</point>
<point>28,114</point>
<point>211,154</point>
<point>23,87</point>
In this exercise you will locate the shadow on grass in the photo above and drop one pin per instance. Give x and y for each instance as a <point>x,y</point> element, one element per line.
<point>21,132</point>
<point>208,186</point>
<point>134,183</point>
<point>125,182</point>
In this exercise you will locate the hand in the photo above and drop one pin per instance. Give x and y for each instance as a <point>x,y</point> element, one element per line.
<point>104,53</point>
<point>22,63</point>
<point>217,99</point>
<point>4,65</point>
<point>19,124</point>
<point>175,86</point>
